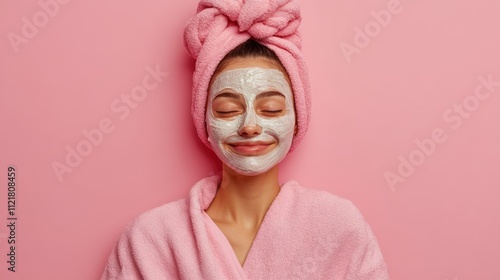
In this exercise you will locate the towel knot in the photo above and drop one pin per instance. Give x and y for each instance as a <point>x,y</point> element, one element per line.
<point>261,19</point>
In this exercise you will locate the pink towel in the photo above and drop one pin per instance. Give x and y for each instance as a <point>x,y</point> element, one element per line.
<point>306,234</point>
<point>221,25</point>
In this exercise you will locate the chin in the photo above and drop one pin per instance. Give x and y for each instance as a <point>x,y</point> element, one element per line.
<point>250,166</point>
<point>249,173</point>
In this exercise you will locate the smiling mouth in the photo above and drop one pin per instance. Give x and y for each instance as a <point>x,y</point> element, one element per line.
<point>251,148</point>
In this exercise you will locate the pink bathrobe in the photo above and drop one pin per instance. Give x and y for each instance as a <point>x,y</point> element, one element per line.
<point>306,234</point>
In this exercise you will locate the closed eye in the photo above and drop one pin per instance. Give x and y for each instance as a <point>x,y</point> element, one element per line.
<point>226,112</point>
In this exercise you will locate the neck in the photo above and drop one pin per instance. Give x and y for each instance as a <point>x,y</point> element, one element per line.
<point>244,200</point>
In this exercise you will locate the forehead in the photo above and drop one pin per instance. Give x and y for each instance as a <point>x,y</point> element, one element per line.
<point>247,62</point>
<point>251,79</point>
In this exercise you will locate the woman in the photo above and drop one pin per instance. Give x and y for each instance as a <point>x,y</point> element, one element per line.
<point>251,107</point>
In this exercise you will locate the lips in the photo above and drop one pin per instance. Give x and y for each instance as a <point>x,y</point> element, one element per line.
<point>250,148</point>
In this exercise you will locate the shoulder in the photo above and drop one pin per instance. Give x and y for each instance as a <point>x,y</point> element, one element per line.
<point>173,219</point>
<point>336,224</point>
<point>320,200</point>
<point>144,249</point>
<point>159,221</point>
<point>326,209</point>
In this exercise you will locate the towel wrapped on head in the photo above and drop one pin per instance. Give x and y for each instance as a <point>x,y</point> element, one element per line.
<point>221,25</point>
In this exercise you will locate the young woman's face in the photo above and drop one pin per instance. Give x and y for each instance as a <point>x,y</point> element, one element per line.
<point>250,115</point>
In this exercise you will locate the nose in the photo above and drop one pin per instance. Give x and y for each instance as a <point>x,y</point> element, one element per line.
<point>250,128</point>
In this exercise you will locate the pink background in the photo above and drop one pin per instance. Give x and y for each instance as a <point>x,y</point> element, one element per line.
<point>404,81</point>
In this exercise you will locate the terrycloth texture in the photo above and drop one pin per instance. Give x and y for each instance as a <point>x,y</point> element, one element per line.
<point>221,25</point>
<point>305,234</point>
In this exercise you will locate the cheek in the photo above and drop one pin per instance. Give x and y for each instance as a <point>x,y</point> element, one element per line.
<point>282,126</point>
<point>220,129</point>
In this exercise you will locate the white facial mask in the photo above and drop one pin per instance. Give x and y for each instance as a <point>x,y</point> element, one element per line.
<point>249,82</point>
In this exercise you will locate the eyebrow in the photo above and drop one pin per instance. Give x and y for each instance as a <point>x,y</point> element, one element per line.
<point>259,96</point>
<point>269,94</point>
<point>230,95</point>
